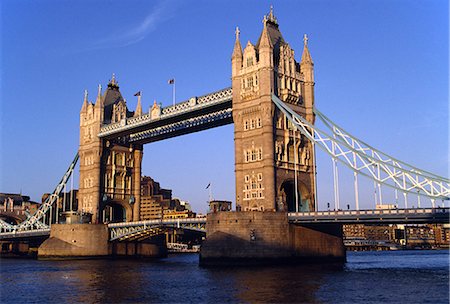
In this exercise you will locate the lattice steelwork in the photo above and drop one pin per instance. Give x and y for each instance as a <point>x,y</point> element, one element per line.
<point>366,160</point>
<point>39,223</point>
<point>184,126</point>
<point>136,230</point>
<point>193,105</point>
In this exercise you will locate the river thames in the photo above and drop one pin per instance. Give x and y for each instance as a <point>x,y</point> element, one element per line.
<point>367,277</point>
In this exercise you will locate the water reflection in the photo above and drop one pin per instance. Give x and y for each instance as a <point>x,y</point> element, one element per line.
<point>368,277</point>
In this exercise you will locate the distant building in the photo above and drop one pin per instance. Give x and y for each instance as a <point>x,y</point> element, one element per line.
<point>217,206</point>
<point>67,201</point>
<point>374,236</point>
<point>153,199</point>
<point>15,207</point>
<point>157,203</point>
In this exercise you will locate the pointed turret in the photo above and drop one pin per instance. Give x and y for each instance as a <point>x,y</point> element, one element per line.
<point>85,101</point>
<point>306,56</point>
<point>265,41</point>
<point>307,69</point>
<point>236,58</point>
<point>99,94</point>
<point>138,111</point>
<point>265,46</point>
<point>306,64</point>
<point>99,100</point>
<point>237,51</point>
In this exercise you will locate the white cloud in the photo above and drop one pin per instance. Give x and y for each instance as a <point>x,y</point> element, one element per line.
<point>137,33</point>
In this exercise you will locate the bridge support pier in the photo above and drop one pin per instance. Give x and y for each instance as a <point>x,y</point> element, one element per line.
<point>75,240</point>
<point>92,240</point>
<point>267,237</point>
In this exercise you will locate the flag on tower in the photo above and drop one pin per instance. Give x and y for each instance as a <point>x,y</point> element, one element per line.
<point>171,81</point>
<point>138,94</point>
<point>208,185</point>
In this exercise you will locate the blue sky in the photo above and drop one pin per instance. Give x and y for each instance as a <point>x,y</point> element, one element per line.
<point>381,70</point>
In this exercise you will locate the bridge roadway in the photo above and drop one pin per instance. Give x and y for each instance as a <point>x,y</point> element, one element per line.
<point>142,229</point>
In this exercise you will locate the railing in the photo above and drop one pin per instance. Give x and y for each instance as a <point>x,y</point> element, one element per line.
<point>128,230</point>
<point>425,215</point>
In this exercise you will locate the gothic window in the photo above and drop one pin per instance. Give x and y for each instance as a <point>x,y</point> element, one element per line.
<point>252,124</point>
<point>253,155</point>
<point>291,156</point>
<point>254,184</point>
<point>250,82</point>
<point>246,125</point>
<point>256,80</point>
<point>253,188</point>
<point>249,61</point>
<point>258,122</point>
<point>247,178</point>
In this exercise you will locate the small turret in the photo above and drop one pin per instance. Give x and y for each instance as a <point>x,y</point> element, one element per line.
<point>85,101</point>
<point>307,69</point>
<point>306,56</point>
<point>138,111</point>
<point>99,94</point>
<point>236,58</point>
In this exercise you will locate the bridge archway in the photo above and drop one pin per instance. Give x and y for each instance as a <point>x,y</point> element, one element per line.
<point>288,199</point>
<point>116,212</point>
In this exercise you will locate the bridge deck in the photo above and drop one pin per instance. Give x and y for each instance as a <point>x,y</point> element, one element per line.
<point>392,216</point>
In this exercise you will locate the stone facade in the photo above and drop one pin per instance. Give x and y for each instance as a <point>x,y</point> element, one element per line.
<point>110,171</point>
<point>269,153</point>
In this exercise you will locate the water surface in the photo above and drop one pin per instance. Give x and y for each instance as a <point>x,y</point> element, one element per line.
<point>367,277</point>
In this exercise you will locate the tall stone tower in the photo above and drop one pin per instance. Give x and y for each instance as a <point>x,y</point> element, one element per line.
<point>274,164</point>
<point>110,170</point>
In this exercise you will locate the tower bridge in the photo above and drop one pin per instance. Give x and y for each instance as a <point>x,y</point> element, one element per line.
<point>271,104</point>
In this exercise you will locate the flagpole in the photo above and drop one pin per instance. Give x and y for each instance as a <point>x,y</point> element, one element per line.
<point>210,192</point>
<point>173,91</point>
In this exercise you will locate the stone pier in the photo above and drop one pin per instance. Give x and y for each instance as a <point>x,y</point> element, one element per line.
<point>256,237</point>
<point>92,240</point>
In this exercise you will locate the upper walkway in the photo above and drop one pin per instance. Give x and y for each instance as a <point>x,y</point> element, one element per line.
<point>196,114</point>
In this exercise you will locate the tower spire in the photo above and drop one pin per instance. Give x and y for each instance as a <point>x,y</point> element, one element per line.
<point>85,101</point>
<point>138,111</point>
<point>237,51</point>
<point>306,56</point>
<point>113,82</point>
<point>270,17</point>
<point>265,39</point>
<point>99,93</point>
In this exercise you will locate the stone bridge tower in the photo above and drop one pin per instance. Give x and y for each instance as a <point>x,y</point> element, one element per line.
<point>272,160</point>
<point>110,171</point>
